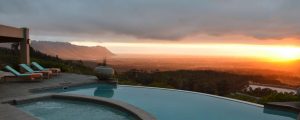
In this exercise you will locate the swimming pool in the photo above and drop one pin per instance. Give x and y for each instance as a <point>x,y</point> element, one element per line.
<point>167,104</point>
<point>60,109</point>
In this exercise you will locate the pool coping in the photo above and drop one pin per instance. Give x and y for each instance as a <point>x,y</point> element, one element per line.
<point>42,89</point>
<point>10,112</point>
<point>137,112</point>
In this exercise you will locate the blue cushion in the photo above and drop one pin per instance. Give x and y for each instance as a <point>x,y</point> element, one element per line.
<point>13,71</point>
<point>27,68</point>
<point>38,66</point>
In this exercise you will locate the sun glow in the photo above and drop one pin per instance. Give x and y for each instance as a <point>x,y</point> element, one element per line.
<point>274,53</point>
<point>284,53</point>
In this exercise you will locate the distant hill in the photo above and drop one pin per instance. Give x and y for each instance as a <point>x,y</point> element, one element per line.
<point>69,51</point>
<point>11,57</point>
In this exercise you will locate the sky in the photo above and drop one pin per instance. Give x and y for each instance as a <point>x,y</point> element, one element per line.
<point>198,27</point>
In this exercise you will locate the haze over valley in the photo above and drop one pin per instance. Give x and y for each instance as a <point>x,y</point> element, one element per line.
<point>68,51</point>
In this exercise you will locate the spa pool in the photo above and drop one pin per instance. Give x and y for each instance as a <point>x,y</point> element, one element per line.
<point>60,109</point>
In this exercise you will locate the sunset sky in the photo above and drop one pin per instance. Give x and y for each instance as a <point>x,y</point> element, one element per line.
<point>268,29</point>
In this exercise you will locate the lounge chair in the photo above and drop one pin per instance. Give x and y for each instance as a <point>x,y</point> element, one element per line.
<point>41,68</point>
<point>46,74</point>
<point>26,76</point>
<point>1,75</point>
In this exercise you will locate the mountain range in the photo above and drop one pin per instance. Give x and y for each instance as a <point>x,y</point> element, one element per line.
<point>69,51</point>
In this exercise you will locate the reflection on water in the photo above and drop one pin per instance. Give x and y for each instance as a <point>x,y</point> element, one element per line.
<point>106,90</point>
<point>280,112</point>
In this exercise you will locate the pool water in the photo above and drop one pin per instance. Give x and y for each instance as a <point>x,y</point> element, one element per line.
<point>166,104</point>
<point>57,109</point>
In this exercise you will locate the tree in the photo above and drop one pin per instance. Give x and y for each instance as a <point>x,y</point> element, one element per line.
<point>80,62</point>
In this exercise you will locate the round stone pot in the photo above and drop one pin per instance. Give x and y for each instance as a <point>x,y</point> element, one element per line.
<point>104,72</point>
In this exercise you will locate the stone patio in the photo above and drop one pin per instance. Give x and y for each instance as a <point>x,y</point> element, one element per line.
<point>12,89</point>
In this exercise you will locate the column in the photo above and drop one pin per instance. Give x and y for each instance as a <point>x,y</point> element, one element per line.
<point>24,47</point>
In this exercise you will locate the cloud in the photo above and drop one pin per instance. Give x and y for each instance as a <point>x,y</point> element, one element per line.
<point>155,19</point>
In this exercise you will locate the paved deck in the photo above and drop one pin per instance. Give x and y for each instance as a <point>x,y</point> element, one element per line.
<point>291,106</point>
<point>19,89</point>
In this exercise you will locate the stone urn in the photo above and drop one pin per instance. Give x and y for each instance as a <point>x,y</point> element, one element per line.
<point>104,72</point>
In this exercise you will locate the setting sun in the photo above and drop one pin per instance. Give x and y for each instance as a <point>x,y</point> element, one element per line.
<point>284,54</point>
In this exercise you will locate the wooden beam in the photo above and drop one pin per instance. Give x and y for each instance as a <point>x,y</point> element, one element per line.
<point>10,32</point>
